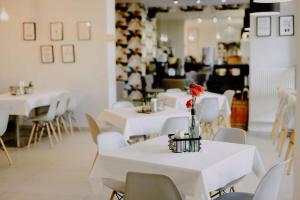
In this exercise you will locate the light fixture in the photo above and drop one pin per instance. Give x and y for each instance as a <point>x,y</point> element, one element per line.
<point>175,1</point>
<point>218,36</point>
<point>223,1</point>
<point>198,1</point>
<point>264,9</point>
<point>215,20</point>
<point>4,15</point>
<point>271,1</point>
<point>199,20</point>
<point>229,18</point>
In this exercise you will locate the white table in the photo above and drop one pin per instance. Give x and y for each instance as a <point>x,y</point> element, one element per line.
<point>179,99</point>
<point>21,106</point>
<point>195,174</point>
<point>132,123</point>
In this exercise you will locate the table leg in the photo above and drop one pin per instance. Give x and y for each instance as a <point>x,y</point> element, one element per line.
<point>18,131</point>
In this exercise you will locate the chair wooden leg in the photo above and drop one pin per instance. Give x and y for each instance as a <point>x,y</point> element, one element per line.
<point>49,135</point>
<point>58,128</point>
<point>70,123</point>
<point>290,146</point>
<point>232,189</point>
<point>31,134</point>
<point>6,152</point>
<point>290,165</point>
<point>112,195</point>
<point>54,132</point>
<point>77,124</point>
<point>275,130</point>
<point>283,136</point>
<point>64,124</point>
<point>97,154</point>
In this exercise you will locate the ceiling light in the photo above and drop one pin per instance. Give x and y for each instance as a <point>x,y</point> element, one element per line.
<point>218,36</point>
<point>199,20</point>
<point>198,1</point>
<point>229,18</point>
<point>4,15</point>
<point>271,1</point>
<point>264,9</point>
<point>215,20</point>
<point>223,1</point>
<point>175,1</point>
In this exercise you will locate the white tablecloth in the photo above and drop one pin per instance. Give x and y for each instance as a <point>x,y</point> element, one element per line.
<point>132,123</point>
<point>22,105</point>
<point>195,174</point>
<point>179,99</point>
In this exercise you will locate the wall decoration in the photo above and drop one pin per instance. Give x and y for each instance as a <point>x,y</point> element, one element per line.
<point>29,31</point>
<point>56,31</point>
<point>68,53</point>
<point>286,25</point>
<point>84,30</point>
<point>47,54</point>
<point>263,26</point>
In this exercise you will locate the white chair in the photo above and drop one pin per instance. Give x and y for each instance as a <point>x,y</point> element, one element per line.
<point>141,186</point>
<point>149,85</point>
<point>74,101</point>
<point>122,104</point>
<point>61,110</point>
<point>223,119</point>
<point>230,135</point>
<point>207,113</point>
<point>267,189</point>
<point>109,141</point>
<point>174,124</point>
<point>4,116</point>
<point>229,94</point>
<point>40,123</point>
<point>173,90</point>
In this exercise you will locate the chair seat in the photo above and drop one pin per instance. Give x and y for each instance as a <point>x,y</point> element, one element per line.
<point>236,196</point>
<point>41,118</point>
<point>115,185</point>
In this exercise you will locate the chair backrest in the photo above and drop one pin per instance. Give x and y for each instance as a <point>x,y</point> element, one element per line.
<point>62,106</point>
<point>231,135</point>
<point>268,187</point>
<point>149,187</point>
<point>122,104</point>
<point>289,112</point>
<point>174,124</point>
<point>52,111</point>
<point>109,141</point>
<point>229,94</point>
<point>173,90</point>
<point>94,128</point>
<point>74,101</point>
<point>207,110</point>
<point>4,116</point>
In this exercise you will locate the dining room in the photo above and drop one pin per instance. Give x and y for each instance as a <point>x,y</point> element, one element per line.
<point>149,99</point>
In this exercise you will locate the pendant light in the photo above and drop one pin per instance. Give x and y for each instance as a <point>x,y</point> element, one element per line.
<point>4,15</point>
<point>264,9</point>
<point>271,1</point>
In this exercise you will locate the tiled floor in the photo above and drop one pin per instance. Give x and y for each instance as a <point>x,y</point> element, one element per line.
<point>61,173</point>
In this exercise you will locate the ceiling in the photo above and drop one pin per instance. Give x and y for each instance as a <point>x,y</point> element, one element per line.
<point>163,3</point>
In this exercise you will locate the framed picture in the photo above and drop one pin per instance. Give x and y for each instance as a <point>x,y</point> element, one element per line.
<point>286,25</point>
<point>84,30</point>
<point>264,26</point>
<point>29,31</point>
<point>47,54</point>
<point>56,31</point>
<point>68,53</point>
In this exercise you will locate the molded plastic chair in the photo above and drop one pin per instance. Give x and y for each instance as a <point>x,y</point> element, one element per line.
<point>223,119</point>
<point>149,187</point>
<point>109,141</point>
<point>229,94</point>
<point>267,189</point>
<point>207,112</point>
<point>174,90</point>
<point>40,123</point>
<point>175,124</point>
<point>122,104</point>
<point>3,126</point>
<point>74,101</point>
<point>149,85</point>
<point>61,110</point>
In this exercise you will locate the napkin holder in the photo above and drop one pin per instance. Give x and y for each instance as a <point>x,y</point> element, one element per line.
<point>180,145</point>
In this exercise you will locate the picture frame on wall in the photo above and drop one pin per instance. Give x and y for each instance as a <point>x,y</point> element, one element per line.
<point>68,53</point>
<point>84,30</point>
<point>29,31</point>
<point>264,26</point>
<point>47,54</point>
<point>286,25</point>
<point>56,31</point>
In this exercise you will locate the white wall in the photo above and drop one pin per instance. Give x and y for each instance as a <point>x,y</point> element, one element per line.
<point>268,54</point>
<point>90,75</point>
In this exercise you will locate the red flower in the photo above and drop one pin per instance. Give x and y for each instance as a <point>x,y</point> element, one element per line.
<point>189,103</point>
<point>200,88</point>
<point>193,85</point>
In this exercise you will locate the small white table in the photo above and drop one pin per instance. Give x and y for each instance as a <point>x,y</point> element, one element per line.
<point>132,123</point>
<point>22,105</point>
<point>179,99</point>
<point>195,174</point>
